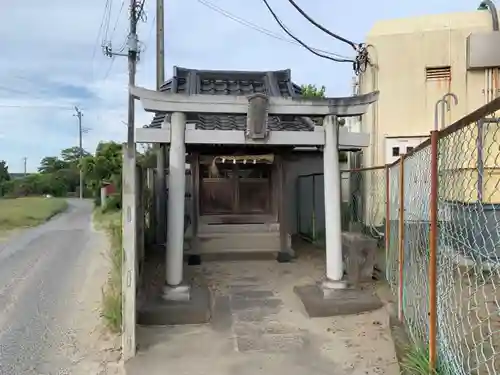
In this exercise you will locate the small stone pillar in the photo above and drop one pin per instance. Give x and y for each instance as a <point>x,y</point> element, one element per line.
<point>104,197</point>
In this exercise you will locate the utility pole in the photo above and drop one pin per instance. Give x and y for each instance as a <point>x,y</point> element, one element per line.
<point>79,114</point>
<point>161,150</point>
<point>25,160</point>
<point>136,9</point>
<point>132,67</point>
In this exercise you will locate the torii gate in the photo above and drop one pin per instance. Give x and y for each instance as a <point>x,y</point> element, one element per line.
<point>257,107</point>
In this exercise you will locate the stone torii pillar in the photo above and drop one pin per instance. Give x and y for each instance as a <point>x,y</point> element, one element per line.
<point>332,186</point>
<point>174,289</point>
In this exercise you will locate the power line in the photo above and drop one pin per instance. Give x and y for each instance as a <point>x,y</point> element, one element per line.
<point>261,29</point>
<point>285,29</point>
<point>35,106</point>
<point>108,19</point>
<point>321,27</point>
<point>96,44</point>
<point>150,33</point>
<point>117,19</point>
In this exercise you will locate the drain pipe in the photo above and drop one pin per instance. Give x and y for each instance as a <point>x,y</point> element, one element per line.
<point>490,6</point>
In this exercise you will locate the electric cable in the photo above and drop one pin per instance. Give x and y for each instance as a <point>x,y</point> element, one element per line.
<point>260,29</point>
<point>321,27</point>
<point>285,29</point>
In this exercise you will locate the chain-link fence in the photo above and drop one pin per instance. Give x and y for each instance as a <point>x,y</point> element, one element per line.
<point>468,305</point>
<point>363,200</point>
<point>443,243</point>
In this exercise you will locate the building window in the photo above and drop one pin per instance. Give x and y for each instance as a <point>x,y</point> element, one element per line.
<point>438,73</point>
<point>395,151</point>
<point>409,149</point>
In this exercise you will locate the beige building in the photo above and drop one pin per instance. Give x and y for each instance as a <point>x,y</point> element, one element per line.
<point>415,61</point>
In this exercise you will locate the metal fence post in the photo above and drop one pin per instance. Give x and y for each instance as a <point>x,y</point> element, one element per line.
<point>387,216</point>
<point>401,228</point>
<point>433,204</point>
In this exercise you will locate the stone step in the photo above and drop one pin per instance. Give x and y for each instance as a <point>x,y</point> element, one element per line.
<point>231,256</point>
<point>237,242</point>
<point>238,228</point>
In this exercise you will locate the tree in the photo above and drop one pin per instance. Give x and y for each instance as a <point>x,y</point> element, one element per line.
<point>311,91</point>
<point>52,164</point>
<point>71,155</point>
<point>105,165</point>
<point>4,171</point>
<point>4,177</point>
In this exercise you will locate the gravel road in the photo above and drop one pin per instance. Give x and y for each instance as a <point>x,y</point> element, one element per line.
<point>50,282</point>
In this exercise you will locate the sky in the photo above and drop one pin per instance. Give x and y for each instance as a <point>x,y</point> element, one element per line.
<point>51,59</point>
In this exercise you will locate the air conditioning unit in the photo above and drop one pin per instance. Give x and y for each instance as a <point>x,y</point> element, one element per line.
<point>483,50</point>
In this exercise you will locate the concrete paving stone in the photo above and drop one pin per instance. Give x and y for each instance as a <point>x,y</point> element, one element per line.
<point>244,304</point>
<point>255,315</point>
<point>270,343</point>
<point>222,319</point>
<point>252,294</point>
<point>243,328</point>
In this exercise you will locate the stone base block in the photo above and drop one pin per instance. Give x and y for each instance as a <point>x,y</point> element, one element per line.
<point>163,312</point>
<point>359,254</point>
<point>337,301</point>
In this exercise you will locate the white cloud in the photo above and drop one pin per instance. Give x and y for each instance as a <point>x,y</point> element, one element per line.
<point>53,42</point>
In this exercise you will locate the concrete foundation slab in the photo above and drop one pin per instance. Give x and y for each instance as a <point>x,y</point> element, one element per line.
<point>159,311</point>
<point>338,302</point>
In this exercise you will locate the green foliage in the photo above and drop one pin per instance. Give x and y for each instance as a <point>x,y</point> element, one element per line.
<point>4,176</point>
<point>105,165</point>
<point>113,203</point>
<point>311,91</point>
<point>416,361</point>
<point>111,310</point>
<point>60,175</point>
<point>4,171</point>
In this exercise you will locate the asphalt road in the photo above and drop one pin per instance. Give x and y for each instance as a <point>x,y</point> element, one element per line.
<point>40,271</point>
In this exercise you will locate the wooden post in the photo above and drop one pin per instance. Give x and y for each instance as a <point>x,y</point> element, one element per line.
<point>401,236</point>
<point>433,253</point>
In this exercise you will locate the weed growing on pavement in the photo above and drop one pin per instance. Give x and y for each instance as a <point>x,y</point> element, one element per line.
<point>416,361</point>
<point>112,291</point>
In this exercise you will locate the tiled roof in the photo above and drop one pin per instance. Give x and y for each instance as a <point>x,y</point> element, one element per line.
<point>215,82</point>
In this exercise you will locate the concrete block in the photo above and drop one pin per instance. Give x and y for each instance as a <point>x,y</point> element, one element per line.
<point>339,302</point>
<point>359,253</point>
<point>161,312</point>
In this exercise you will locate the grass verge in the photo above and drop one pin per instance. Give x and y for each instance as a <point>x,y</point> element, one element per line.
<point>29,211</point>
<point>111,309</point>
